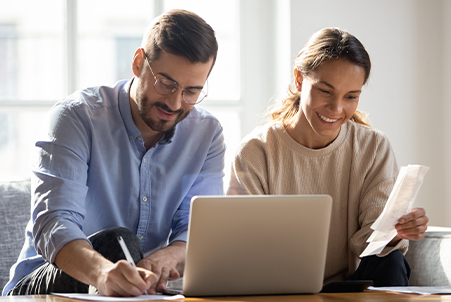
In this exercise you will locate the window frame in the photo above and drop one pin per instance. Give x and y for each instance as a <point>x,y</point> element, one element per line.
<point>261,72</point>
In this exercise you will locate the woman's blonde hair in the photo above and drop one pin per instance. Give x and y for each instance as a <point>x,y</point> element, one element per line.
<point>326,44</point>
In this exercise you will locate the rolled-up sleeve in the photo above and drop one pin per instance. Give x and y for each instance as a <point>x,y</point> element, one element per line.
<point>59,181</point>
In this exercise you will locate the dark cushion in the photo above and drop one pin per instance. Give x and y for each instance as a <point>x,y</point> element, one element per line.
<point>14,215</point>
<point>430,258</point>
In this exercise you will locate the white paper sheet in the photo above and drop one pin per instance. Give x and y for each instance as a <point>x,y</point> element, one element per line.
<point>419,290</point>
<point>93,297</point>
<point>399,203</point>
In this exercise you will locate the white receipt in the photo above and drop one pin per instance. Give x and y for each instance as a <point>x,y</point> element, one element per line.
<point>399,203</point>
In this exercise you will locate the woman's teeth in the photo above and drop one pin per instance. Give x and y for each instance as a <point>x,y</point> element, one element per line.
<point>327,119</point>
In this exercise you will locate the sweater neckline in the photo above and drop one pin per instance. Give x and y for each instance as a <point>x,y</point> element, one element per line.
<point>280,129</point>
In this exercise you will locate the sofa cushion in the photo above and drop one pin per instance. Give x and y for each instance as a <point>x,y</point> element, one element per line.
<point>14,215</point>
<point>430,258</point>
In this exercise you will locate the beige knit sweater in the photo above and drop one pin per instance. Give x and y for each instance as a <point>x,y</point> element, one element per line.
<point>358,169</point>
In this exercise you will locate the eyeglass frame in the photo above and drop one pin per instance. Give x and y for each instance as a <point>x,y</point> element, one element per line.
<point>176,85</point>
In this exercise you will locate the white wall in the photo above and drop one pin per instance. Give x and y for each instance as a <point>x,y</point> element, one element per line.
<point>265,53</point>
<point>407,96</point>
<point>446,72</point>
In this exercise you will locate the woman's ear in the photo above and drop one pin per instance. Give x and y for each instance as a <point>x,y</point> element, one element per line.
<point>138,62</point>
<point>298,79</point>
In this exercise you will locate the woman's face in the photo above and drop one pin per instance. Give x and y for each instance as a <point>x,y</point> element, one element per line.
<point>329,98</point>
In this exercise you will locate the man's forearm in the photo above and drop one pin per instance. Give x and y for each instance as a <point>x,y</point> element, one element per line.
<point>179,250</point>
<point>79,260</point>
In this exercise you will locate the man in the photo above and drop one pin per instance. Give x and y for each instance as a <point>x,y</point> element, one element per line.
<point>125,160</point>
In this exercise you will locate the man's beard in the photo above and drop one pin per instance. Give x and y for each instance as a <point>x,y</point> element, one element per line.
<point>159,125</point>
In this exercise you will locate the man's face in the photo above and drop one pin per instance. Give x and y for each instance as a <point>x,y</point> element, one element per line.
<point>162,112</point>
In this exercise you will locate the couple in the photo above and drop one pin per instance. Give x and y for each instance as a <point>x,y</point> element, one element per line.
<point>125,160</point>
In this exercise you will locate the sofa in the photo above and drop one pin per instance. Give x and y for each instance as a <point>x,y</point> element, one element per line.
<point>429,258</point>
<point>14,215</point>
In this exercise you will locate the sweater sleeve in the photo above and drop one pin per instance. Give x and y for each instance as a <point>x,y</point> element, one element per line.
<point>249,170</point>
<point>377,186</point>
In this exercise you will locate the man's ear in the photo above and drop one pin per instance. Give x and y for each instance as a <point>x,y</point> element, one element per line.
<point>138,62</point>
<point>298,77</point>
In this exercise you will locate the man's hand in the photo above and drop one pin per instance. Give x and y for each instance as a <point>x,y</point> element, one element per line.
<point>166,264</point>
<point>79,260</point>
<point>122,279</point>
<point>411,226</point>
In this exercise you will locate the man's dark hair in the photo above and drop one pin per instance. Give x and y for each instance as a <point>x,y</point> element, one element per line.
<point>182,33</point>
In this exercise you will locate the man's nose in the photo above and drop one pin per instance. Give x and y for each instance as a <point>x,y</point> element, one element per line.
<point>175,100</point>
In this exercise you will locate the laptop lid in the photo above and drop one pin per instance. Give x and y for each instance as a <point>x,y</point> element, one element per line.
<point>256,245</point>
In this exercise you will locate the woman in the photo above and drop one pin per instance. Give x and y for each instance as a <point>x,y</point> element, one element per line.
<point>319,143</point>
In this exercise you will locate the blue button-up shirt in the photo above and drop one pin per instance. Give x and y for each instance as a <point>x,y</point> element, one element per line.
<point>92,172</point>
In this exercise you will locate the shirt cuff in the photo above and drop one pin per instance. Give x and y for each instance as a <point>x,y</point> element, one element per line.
<point>183,236</point>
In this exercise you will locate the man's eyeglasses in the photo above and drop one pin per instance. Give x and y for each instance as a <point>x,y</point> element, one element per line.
<point>190,96</point>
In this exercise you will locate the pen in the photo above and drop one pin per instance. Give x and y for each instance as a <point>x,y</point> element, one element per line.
<point>127,254</point>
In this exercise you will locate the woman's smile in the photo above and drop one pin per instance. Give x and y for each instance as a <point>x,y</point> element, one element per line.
<point>326,119</point>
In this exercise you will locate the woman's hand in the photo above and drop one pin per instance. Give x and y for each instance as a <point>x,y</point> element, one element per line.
<point>412,225</point>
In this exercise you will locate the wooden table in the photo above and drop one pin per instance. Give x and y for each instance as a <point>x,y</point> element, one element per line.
<point>367,296</point>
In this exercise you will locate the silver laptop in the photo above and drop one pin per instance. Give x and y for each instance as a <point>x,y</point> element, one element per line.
<point>256,245</point>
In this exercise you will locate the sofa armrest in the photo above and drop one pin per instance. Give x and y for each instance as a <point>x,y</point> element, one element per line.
<point>14,215</point>
<point>430,258</point>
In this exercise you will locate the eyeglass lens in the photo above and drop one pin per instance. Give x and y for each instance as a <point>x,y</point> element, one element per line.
<point>165,86</point>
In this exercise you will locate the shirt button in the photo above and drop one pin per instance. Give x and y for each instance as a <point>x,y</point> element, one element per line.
<point>145,160</point>
<point>141,237</point>
<point>139,138</point>
<point>131,137</point>
<point>144,198</point>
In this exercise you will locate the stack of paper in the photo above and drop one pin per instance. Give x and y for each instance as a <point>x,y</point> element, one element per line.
<point>420,290</point>
<point>96,297</point>
<point>399,203</point>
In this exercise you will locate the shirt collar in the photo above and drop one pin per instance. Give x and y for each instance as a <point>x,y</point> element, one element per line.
<point>167,137</point>
<point>126,111</point>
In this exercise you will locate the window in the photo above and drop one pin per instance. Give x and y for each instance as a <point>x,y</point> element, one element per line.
<point>31,74</point>
<point>8,59</point>
<point>74,44</point>
<point>108,34</point>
